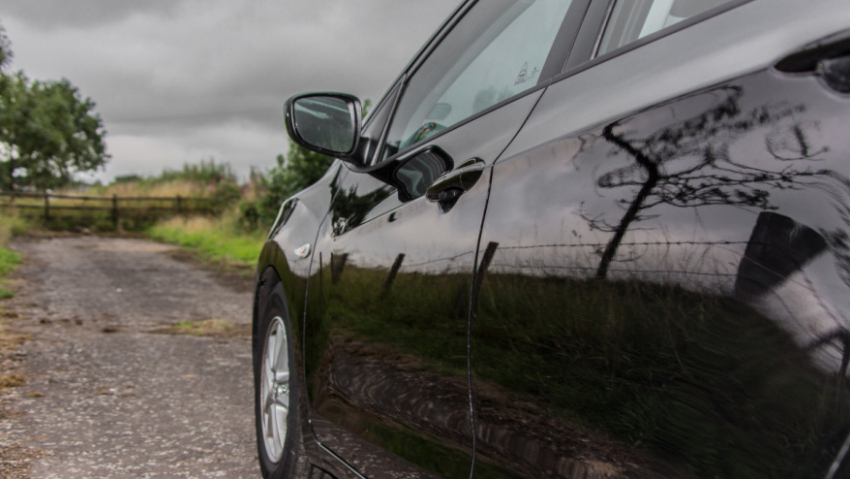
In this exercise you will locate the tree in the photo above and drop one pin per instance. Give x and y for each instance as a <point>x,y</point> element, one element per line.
<point>5,48</point>
<point>298,170</point>
<point>48,131</point>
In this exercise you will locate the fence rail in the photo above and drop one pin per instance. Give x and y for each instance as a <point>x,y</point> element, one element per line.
<point>107,198</point>
<point>118,204</point>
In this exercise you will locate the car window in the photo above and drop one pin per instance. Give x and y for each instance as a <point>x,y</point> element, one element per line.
<point>632,20</point>
<point>496,51</point>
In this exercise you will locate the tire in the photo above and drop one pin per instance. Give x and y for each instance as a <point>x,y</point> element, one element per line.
<point>275,385</point>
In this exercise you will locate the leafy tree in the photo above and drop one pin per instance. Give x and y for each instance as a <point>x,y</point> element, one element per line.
<point>5,80</point>
<point>300,169</point>
<point>5,48</point>
<point>48,131</point>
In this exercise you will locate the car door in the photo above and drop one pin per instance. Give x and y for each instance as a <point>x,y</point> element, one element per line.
<point>387,322</point>
<point>663,269</point>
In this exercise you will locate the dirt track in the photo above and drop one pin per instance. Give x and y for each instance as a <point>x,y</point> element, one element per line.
<point>107,393</point>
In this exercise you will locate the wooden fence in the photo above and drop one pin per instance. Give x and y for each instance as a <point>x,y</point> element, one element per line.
<point>116,206</point>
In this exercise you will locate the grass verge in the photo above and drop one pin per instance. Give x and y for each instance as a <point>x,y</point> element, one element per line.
<point>8,260</point>
<point>9,340</point>
<point>214,240</point>
<point>9,226</point>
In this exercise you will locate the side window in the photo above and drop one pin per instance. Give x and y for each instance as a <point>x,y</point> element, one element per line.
<point>497,50</point>
<point>632,20</point>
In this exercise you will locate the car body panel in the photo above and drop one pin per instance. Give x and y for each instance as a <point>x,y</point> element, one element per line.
<point>665,293</point>
<point>389,303</point>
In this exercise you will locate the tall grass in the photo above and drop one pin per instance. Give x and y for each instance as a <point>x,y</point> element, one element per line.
<point>216,239</point>
<point>12,225</point>
<point>222,237</point>
<point>169,189</point>
<point>205,179</point>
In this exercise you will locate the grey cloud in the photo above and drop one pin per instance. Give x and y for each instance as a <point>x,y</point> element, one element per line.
<point>82,13</point>
<point>175,69</point>
<point>362,56</point>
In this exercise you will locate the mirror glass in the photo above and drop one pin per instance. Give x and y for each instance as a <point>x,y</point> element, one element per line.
<point>326,122</point>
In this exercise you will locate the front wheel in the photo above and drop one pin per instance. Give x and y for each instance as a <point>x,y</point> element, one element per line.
<point>275,406</point>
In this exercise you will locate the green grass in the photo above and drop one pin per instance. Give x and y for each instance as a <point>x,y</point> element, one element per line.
<point>9,226</point>
<point>203,328</point>
<point>8,260</point>
<point>214,240</point>
<point>12,225</point>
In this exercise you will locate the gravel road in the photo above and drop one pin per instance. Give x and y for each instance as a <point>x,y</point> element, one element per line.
<point>108,393</point>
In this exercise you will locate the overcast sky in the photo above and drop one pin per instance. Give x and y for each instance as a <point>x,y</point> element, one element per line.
<point>177,81</point>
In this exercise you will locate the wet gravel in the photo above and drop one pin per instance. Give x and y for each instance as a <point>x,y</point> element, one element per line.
<point>107,397</point>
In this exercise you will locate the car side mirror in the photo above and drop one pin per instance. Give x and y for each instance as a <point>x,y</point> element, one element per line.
<point>327,123</point>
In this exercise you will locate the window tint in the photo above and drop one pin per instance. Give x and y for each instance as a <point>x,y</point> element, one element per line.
<point>632,20</point>
<point>496,51</point>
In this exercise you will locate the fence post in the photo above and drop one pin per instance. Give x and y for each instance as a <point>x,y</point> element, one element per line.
<point>388,284</point>
<point>179,205</point>
<point>489,253</point>
<point>46,206</point>
<point>12,178</point>
<point>115,210</point>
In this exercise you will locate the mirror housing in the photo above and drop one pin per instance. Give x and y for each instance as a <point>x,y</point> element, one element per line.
<point>327,123</point>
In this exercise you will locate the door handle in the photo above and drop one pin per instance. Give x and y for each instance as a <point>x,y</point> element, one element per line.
<point>449,187</point>
<point>828,59</point>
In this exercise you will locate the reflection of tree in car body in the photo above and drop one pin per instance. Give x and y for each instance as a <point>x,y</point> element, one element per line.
<point>684,165</point>
<point>351,208</point>
<point>716,178</point>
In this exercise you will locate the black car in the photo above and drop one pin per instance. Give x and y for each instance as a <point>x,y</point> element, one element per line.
<point>575,239</point>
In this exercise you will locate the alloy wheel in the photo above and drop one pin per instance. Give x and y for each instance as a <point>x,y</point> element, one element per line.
<point>275,393</point>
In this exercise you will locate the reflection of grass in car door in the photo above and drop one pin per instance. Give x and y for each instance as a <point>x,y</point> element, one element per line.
<point>656,363</point>
<point>419,314</point>
<point>702,379</point>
